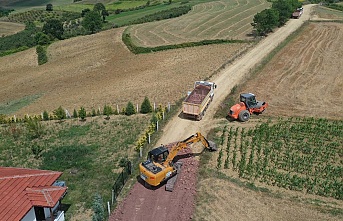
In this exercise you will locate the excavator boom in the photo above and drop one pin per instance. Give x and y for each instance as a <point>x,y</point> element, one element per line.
<point>160,167</point>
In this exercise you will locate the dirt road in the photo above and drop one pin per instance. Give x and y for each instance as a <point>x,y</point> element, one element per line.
<point>178,128</point>
<point>157,204</point>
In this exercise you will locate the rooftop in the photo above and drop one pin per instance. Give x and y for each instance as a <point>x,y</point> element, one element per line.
<point>21,189</point>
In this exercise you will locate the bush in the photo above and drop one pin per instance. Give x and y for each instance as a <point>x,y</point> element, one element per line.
<point>107,111</point>
<point>42,57</point>
<point>35,128</point>
<point>146,106</point>
<point>98,208</point>
<point>60,113</point>
<point>45,115</point>
<point>75,115</point>
<point>82,113</point>
<point>130,109</point>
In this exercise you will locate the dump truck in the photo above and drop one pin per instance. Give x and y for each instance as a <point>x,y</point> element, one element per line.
<point>160,166</point>
<point>297,13</point>
<point>198,100</point>
<point>248,105</point>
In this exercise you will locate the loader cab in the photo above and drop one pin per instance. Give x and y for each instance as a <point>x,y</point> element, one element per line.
<point>249,100</point>
<point>158,154</point>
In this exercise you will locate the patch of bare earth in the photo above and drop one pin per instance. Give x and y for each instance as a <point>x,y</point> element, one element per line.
<point>304,78</point>
<point>150,203</point>
<point>95,70</point>
<point>10,28</point>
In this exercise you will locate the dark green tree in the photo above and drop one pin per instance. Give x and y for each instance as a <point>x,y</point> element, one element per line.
<point>84,12</point>
<point>49,7</point>
<point>265,21</point>
<point>146,106</point>
<point>93,112</point>
<point>41,38</point>
<point>285,9</point>
<point>82,113</point>
<point>75,115</point>
<point>130,109</point>
<point>42,57</point>
<point>54,28</point>
<point>46,116</point>
<point>99,7</point>
<point>59,113</point>
<point>92,22</point>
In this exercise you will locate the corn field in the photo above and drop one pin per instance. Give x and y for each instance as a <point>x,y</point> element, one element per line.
<point>302,154</point>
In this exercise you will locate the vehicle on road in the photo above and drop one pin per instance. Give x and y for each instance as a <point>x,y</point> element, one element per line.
<point>198,100</point>
<point>160,167</point>
<point>247,106</point>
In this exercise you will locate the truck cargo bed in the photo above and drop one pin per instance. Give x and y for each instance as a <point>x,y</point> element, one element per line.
<point>198,94</point>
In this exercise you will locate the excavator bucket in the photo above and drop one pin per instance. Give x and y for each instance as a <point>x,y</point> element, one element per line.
<point>212,145</point>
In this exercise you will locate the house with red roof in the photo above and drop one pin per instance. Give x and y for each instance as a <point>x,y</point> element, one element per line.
<point>30,195</point>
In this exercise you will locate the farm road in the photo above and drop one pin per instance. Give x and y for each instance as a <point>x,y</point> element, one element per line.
<point>158,204</point>
<point>178,128</point>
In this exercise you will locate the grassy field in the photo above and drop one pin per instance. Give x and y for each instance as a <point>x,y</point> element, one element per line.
<point>212,20</point>
<point>88,153</point>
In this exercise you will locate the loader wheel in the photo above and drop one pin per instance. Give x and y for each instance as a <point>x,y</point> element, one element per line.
<point>244,116</point>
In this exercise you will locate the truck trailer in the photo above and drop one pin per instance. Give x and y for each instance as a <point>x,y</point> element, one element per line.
<point>197,101</point>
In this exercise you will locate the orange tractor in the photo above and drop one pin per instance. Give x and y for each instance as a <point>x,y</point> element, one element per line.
<point>247,106</point>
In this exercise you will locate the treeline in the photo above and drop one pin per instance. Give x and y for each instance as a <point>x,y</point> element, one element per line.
<point>60,113</point>
<point>126,37</point>
<point>281,11</point>
<point>335,6</point>
<point>19,41</point>
<point>5,12</point>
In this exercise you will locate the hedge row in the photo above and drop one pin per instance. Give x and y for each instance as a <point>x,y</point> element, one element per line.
<point>140,50</point>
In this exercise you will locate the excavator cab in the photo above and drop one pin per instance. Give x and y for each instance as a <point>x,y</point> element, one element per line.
<point>158,154</point>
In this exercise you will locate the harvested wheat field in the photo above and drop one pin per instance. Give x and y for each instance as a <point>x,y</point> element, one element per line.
<point>10,28</point>
<point>95,70</point>
<point>305,78</point>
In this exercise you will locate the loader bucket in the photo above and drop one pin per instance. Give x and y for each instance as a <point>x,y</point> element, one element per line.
<point>212,145</point>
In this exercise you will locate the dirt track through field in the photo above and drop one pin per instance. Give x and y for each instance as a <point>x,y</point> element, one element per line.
<point>241,205</point>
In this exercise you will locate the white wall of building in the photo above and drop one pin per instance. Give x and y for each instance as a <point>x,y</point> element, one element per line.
<point>30,216</point>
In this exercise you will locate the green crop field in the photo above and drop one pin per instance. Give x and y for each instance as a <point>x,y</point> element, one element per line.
<point>302,154</point>
<point>212,20</point>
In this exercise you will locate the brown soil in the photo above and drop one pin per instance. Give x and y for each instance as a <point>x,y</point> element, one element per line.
<point>95,70</point>
<point>223,200</point>
<point>10,28</point>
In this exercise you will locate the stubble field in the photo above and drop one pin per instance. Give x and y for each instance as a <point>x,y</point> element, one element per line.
<point>95,70</point>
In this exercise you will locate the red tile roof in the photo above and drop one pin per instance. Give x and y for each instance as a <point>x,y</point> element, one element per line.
<point>21,189</point>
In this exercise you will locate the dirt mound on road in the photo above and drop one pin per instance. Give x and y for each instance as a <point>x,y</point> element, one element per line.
<point>158,204</point>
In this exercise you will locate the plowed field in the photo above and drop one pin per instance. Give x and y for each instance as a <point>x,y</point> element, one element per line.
<point>304,79</point>
<point>95,70</point>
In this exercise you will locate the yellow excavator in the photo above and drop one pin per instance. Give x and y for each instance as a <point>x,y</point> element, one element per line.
<point>159,166</point>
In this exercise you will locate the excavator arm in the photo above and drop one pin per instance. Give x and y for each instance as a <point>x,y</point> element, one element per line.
<point>184,144</point>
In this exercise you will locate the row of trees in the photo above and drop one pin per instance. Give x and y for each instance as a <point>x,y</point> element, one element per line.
<point>60,113</point>
<point>265,21</point>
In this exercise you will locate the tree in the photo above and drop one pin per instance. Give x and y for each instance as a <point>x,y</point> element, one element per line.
<point>75,115</point>
<point>42,39</point>
<point>82,113</point>
<point>35,128</point>
<point>146,106</point>
<point>104,13</point>
<point>285,9</point>
<point>59,113</point>
<point>53,27</point>
<point>99,7</point>
<point>84,12</point>
<point>130,109</point>
<point>49,7</point>
<point>45,115</point>
<point>98,208</point>
<point>107,111</point>
<point>92,21</point>
<point>265,21</point>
